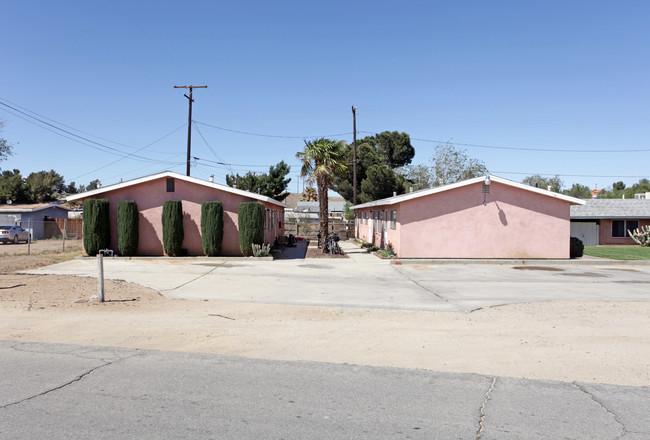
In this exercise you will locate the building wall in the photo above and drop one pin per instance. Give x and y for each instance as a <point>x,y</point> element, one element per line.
<point>378,233</point>
<point>605,233</point>
<point>514,223</point>
<point>150,197</point>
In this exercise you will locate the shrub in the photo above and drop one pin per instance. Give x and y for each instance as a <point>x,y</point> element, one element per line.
<point>251,226</point>
<point>641,236</point>
<point>127,227</point>
<point>576,247</point>
<point>211,227</point>
<point>172,223</point>
<point>96,226</point>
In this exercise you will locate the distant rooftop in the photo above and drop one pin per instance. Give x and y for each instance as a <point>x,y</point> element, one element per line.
<point>611,208</point>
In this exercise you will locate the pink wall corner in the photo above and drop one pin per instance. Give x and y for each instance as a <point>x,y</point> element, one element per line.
<point>150,197</point>
<point>514,223</point>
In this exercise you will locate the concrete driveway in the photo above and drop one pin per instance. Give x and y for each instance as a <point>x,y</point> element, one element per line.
<point>366,281</point>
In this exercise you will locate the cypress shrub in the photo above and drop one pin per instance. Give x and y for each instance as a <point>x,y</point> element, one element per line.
<point>96,226</point>
<point>211,227</point>
<point>576,248</point>
<point>251,226</point>
<point>172,223</point>
<point>127,227</point>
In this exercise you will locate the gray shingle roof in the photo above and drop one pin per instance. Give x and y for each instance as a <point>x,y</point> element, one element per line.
<point>612,208</point>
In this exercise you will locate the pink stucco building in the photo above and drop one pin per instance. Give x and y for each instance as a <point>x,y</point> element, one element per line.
<point>151,192</point>
<point>477,218</point>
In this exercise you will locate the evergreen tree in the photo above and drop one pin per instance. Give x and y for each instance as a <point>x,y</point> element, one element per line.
<point>127,227</point>
<point>211,227</point>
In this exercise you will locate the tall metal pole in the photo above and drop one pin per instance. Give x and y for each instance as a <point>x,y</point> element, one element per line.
<point>354,157</point>
<point>189,122</point>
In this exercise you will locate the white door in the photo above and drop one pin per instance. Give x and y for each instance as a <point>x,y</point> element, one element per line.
<point>585,231</point>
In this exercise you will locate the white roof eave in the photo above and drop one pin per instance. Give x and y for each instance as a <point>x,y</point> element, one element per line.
<point>426,192</point>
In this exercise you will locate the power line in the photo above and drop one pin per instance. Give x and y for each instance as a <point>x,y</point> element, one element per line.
<point>212,149</point>
<point>271,135</point>
<point>76,138</point>
<point>567,175</point>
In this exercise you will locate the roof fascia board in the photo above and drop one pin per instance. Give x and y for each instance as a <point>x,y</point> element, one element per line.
<point>426,192</point>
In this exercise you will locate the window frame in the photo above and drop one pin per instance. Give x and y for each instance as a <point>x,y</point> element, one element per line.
<point>626,228</point>
<point>393,218</point>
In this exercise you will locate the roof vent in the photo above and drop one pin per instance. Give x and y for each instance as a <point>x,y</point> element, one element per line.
<point>211,179</point>
<point>411,189</point>
<point>394,193</point>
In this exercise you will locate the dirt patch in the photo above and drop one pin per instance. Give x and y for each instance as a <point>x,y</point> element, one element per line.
<point>39,247</point>
<point>567,341</point>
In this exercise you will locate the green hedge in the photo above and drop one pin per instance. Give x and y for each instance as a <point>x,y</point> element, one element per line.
<point>96,226</point>
<point>172,223</point>
<point>251,226</point>
<point>127,227</point>
<point>211,227</point>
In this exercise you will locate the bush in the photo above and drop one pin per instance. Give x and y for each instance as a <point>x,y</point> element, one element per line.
<point>211,227</point>
<point>127,227</point>
<point>172,223</point>
<point>251,226</point>
<point>96,226</point>
<point>576,247</point>
<point>641,236</point>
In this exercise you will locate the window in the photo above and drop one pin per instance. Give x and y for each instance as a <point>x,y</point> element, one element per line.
<point>170,184</point>
<point>393,218</point>
<point>365,216</point>
<point>374,220</point>
<point>620,227</point>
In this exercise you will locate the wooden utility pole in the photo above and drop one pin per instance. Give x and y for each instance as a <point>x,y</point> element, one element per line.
<point>189,122</point>
<point>354,157</point>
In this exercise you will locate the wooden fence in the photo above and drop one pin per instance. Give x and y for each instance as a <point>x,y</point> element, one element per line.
<point>344,230</point>
<point>54,227</point>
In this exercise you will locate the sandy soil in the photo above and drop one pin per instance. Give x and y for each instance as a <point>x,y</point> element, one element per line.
<point>567,341</point>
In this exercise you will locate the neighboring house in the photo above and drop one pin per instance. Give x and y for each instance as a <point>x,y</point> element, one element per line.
<point>32,216</point>
<point>311,210</point>
<point>606,221</point>
<point>151,192</point>
<point>476,218</point>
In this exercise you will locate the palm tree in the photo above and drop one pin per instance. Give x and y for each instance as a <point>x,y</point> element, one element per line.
<point>320,160</point>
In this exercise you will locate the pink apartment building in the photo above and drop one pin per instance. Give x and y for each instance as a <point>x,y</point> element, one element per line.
<point>484,217</point>
<point>151,192</point>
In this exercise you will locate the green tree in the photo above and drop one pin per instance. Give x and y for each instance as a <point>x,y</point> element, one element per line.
<point>321,159</point>
<point>127,227</point>
<point>250,221</point>
<point>451,165</point>
<point>12,187</point>
<point>555,183</point>
<point>579,191</point>
<point>42,185</point>
<point>211,227</point>
<point>380,182</point>
<point>391,150</point>
<point>6,149</point>
<point>96,226</point>
<point>272,184</point>
<point>618,186</point>
<point>418,177</point>
<point>94,184</point>
<point>172,224</point>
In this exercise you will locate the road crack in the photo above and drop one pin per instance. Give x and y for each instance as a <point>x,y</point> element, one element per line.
<point>59,387</point>
<point>488,396</point>
<point>610,412</point>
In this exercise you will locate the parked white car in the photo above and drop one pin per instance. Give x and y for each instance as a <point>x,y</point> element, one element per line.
<point>13,234</point>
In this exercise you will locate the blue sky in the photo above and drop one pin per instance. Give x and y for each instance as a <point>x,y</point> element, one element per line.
<point>520,76</point>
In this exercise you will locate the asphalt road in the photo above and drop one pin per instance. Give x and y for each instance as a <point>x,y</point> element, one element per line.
<point>58,391</point>
<point>366,281</point>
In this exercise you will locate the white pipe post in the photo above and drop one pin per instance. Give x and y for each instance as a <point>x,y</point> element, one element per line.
<point>100,277</point>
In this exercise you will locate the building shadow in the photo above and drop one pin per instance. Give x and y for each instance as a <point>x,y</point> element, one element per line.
<point>297,252</point>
